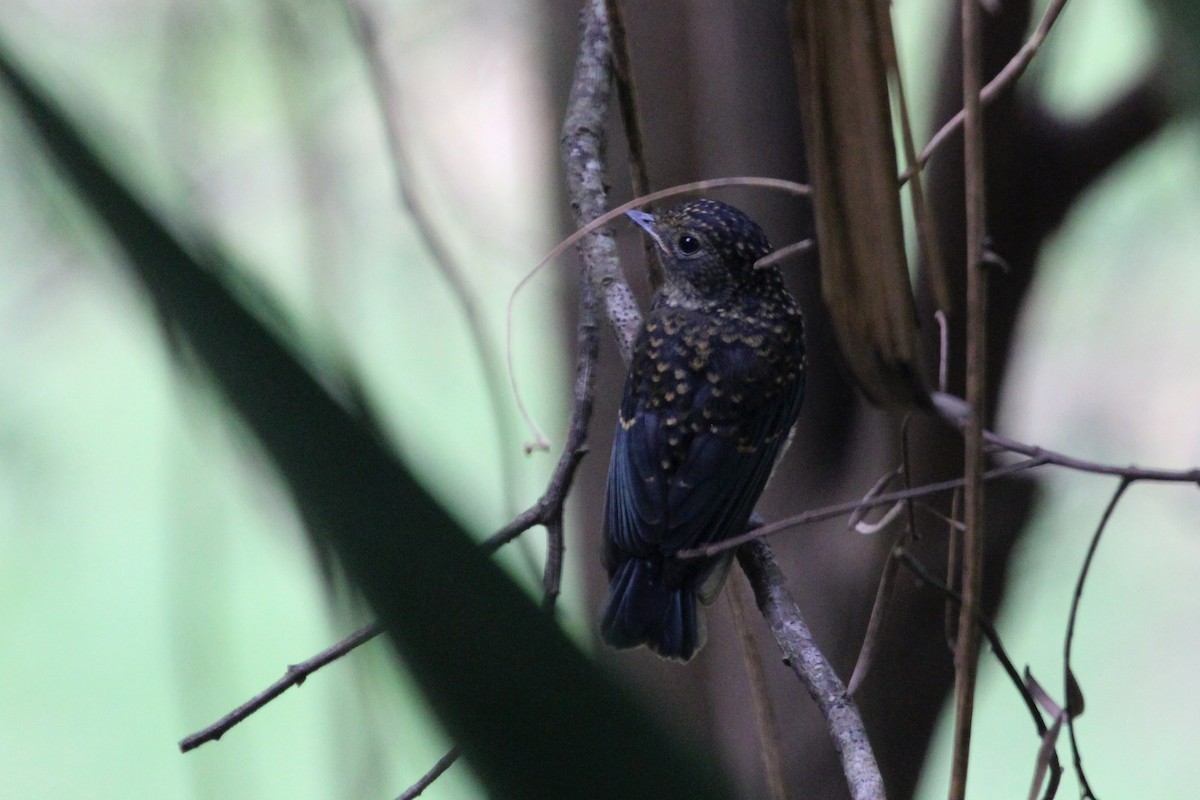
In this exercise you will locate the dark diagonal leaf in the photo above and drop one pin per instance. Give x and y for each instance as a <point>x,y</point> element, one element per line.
<point>535,718</point>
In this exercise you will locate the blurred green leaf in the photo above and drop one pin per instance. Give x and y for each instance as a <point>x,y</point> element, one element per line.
<point>534,717</point>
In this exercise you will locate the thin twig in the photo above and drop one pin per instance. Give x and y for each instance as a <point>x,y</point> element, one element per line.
<point>764,717</point>
<point>444,763</point>
<point>387,97</point>
<point>581,153</point>
<point>801,654</point>
<point>787,251</point>
<point>1047,757</point>
<point>966,653</point>
<point>953,567</point>
<point>1004,78</point>
<point>1191,475</point>
<point>1068,688</point>
<point>883,599</point>
<point>547,511</point>
<point>1036,457</point>
<point>639,175</point>
<point>842,509</point>
<point>887,581</point>
<point>294,676</point>
<point>587,350</point>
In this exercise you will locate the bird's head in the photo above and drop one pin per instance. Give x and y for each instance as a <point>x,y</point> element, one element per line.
<point>708,250</point>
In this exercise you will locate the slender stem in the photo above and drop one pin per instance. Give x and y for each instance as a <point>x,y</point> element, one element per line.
<point>387,96</point>
<point>1068,677</point>
<point>294,676</point>
<point>444,763</point>
<point>639,175</point>
<point>764,716</point>
<point>1014,69</point>
<point>842,509</point>
<point>966,656</point>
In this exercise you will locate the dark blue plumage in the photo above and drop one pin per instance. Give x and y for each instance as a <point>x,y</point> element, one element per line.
<point>714,387</point>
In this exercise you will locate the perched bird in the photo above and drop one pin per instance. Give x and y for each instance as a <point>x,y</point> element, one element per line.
<point>714,387</point>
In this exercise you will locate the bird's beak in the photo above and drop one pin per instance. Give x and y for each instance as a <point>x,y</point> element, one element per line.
<point>647,223</point>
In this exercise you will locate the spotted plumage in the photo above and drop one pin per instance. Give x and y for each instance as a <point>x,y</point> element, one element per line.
<point>714,387</point>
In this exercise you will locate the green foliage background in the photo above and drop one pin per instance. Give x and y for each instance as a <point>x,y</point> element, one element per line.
<point>155,571</point>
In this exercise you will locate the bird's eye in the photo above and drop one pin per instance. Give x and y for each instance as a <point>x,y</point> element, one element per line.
<point>688,244</point>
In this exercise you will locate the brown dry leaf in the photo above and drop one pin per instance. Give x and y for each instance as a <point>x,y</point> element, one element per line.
<point>843,80</point>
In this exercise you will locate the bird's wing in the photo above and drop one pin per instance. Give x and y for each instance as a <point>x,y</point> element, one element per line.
<point>635,509</point>
<point>712,494</point>
<point>710,490</point>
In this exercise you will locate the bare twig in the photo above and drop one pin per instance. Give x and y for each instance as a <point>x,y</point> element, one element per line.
<point>764,717</point>
<point>550,505</point>
<point>966,653</point>
<point>887,581</point>
<point>1014,69</point>
<point>444,763</point>
<point>953,567</point>
<point>801,654</point>
<point>787,251</point>
<point>842,509</point>
<point>1081,465</point>
<point>387,96</point>
<point>582,147</point>
<point>547,511</point>
<point>883,598</point>
<point>1047,757</point>
<point>1069,687</point>
<point>875,490</point>
<point>639,176</point>
<point>294,676</point>
<point>583,142</point>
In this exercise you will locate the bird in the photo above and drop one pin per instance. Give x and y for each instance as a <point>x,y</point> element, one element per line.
<point>714,387</point>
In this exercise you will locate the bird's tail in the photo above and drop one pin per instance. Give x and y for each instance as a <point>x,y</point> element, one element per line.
<point>640,610</point>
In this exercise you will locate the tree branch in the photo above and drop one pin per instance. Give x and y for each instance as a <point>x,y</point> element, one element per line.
<point>444,763</point>
<point>1014,69</point>
<point>764,716</point>
<point>583,144</point>
<point>639,176</point>
<point>802,655</point>
<point>294,676</point>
